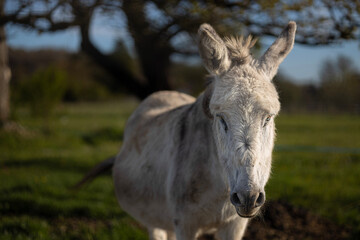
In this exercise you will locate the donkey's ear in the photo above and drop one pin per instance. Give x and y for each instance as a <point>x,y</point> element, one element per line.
<point>277,52</point>
<point>213,50</point>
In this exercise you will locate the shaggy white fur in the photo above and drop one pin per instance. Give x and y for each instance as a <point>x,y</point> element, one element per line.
<point>189,166</point>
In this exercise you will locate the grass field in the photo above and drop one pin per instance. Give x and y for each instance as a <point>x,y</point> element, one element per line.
<point>316,166</point>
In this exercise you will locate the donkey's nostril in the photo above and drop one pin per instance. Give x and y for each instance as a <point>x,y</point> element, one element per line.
<point>260,199</point>
<point>235,199</point>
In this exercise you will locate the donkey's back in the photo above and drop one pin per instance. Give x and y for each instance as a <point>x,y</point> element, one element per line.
<point>156,110</point>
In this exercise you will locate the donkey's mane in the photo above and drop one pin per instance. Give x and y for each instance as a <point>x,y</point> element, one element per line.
<point>239,48</point>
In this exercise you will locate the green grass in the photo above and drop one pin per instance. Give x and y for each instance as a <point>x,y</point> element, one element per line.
<point>38,168</point>
<point>319,130</point>
<point>316,165</point>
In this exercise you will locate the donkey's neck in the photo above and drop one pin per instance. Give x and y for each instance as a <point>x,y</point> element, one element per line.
<point>200,111</point>
<point>196,136</point>
<point>197,148</point>
<point>194,129</point>
<point>195,121</point>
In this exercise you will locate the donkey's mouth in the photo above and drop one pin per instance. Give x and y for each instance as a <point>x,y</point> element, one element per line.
<point>250,215</point>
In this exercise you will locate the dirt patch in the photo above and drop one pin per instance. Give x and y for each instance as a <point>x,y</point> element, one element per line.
<point>279,220</point>
<point>282,221</point>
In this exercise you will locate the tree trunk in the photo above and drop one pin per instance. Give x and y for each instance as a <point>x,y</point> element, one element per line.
<point>152,48</point>
<point>153,51</point>
<point>123,77</point>
<point>5,75</point>
<point>155,64</point>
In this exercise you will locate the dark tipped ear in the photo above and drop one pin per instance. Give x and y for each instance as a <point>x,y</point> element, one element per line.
<point>212,50</point>
<point>277,52</point>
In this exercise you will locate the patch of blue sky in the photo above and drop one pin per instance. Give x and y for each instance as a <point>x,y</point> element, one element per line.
<point>303,64</point>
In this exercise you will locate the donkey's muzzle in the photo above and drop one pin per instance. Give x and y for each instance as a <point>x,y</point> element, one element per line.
<point>248,203</point>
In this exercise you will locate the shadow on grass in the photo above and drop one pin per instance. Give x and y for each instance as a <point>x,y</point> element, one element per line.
<point>49,163</point>
<point>49,209</point>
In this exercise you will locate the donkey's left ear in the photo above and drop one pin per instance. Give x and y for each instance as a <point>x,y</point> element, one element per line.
<point>277,52</point>
<point>212,50</point>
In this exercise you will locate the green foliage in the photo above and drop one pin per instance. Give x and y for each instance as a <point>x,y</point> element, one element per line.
<point>80,89</point>
<point>85,81</point>
<point>37,170</point>
<point>338,90</point>
<point>43,91</point>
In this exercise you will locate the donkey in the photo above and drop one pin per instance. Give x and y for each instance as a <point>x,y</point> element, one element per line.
<point>191,166</point>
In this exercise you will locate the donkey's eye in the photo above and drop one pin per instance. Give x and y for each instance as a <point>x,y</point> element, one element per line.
<point>267,119</point>
<point>223,123</point>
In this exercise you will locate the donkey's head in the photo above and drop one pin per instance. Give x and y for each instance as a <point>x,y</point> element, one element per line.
<point>242,101</point>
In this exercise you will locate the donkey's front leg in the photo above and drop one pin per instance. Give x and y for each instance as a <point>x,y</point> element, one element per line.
<point>157,234</point>
<point>233,230</point>
<point>184,230</point>
<point>182,234</point>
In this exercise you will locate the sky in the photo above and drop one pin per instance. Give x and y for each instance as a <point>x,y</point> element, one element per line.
<point>302,64</point>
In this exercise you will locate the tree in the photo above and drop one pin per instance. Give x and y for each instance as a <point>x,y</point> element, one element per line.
<point>161,28</point>
<point>340,85</point>
<point>5,74</point>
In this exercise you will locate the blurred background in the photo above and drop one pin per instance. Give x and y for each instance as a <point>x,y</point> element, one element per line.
<point>72,71</point>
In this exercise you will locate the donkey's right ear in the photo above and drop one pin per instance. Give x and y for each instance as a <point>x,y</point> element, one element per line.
<point>213,50</point>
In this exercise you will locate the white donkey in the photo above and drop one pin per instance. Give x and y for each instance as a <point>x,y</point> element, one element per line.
<point>190,166</point>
